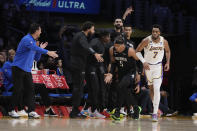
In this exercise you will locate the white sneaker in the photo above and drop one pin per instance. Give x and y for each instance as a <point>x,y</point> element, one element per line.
<point>122,111</point>
<point>33,114</point>
<point>13,114</point>
<point>22,113</point>
<point>195,114</point>
<point>96,114</point>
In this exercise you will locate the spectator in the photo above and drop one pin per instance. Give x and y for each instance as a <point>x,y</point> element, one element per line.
<point>40,65</point>
<point>51,64</point>
<point>8,72</point>
<point>2,60</point>
<point>8,83</point>
<point>59,68</point>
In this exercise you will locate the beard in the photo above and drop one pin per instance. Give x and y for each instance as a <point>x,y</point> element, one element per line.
<point>118,26</point>
<point>89,35</point>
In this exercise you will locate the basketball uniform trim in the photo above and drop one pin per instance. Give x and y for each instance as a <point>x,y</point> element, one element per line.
<point>161,73</point>
<point>151,81</point>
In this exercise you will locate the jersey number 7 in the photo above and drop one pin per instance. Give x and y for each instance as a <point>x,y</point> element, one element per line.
<point>155,54</point>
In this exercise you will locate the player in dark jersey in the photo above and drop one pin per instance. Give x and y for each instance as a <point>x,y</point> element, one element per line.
<point>127,36</point>
<point>79,52</point>
<point>123,58</point>
<point>95,77</point>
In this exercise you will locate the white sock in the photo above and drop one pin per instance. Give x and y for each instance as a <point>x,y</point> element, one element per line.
<point>156,97</point>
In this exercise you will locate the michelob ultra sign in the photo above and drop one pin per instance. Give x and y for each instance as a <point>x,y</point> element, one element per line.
<point>69,6</point>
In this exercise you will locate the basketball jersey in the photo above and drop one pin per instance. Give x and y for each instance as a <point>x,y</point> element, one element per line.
<point>124,63</point>
<point>154,52</point>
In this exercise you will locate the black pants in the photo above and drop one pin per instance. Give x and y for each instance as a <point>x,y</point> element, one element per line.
<point>23,89</point>
<point>112,96</point>
<point>194,107</point>
<point>78,77</point>
<point>124,91</point>
<point>43,91</point>
<point>144,100</point>
<point>96,88</point>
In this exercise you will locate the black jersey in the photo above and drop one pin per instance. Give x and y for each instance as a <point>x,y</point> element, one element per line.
<point>124,63</point>
<point>130,43</point>
<point>79,51</point>
<point>99,47</point>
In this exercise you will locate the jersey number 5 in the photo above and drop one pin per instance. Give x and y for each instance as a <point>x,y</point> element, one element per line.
<point>121,64</point>
<point>155,54</point>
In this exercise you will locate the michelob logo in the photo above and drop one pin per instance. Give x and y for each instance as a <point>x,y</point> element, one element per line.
<point>38,3</point>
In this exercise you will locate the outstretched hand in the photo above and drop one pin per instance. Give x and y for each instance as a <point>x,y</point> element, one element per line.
<point>52,54</point>
<point>43,45</point>
<point>99,57</point>
<point>108,78</point>
<point>129,10</point>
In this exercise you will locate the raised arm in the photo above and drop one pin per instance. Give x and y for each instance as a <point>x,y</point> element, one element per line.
<point>127,12</point>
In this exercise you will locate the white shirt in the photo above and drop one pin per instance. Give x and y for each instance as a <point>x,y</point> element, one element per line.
<point>154,52</point>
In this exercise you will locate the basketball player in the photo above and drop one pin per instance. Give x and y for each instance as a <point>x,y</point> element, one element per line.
<point>95,78</point>
<point>123,58</point>
<point>80,50</point>
<point>154,46</point>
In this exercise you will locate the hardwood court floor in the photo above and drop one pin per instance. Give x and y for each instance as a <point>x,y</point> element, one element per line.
<point>62,124</point>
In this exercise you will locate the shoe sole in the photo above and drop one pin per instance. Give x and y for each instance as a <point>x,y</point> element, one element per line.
<point>31,117</point>
<point>115,118</point>
<point>23,116</point>
<point>154,120</point>
<point>15,117</point>
<point>52,115</point>
<point>77,117</point>
<point>173,114</point>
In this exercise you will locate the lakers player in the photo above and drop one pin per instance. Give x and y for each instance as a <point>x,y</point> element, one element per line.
<point>154,47</point>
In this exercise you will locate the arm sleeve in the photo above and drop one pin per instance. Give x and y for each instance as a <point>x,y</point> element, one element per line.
<point>193,97</point>
<point>84,44</point>
<point>30,44</point>
<point>37,56</point>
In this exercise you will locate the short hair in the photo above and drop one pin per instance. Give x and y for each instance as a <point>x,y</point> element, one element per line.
<point>33,28</point>
<point>10,51</point>
<point>117,18</point>
<point>157,26</point>
<point>87,25</point>
<point>103,33</point>
<point>127,25</point>
<point>1,54</point>
<point>119,40</point>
